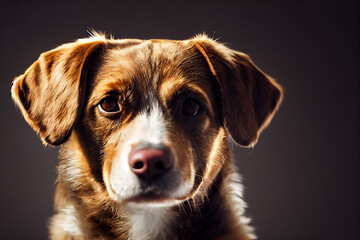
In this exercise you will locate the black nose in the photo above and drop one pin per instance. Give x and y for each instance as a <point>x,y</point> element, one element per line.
<point>150,163</point>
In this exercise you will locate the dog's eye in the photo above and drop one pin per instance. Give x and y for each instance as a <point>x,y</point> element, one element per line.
<point>190,107</point>
<point>110,105</point>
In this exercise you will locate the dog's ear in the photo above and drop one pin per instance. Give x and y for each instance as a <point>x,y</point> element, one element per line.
<point>250,97</point>
<point>50,92</point>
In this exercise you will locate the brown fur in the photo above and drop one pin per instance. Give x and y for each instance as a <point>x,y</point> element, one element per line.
<point>59,94</point>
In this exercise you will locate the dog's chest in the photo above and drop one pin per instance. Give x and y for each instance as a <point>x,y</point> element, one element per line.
<point>151,223</point>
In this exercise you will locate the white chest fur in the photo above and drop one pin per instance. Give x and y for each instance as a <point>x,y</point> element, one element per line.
<point>148,223</point>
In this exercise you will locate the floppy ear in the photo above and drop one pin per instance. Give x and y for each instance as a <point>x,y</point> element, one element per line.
<point>50,92</point>
<point>250,97</point>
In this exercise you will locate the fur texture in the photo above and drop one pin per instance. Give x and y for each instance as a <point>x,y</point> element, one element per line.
<point>186,95</point>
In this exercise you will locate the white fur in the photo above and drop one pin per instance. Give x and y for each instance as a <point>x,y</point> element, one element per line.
<point>236,192</point>
<point>150,127</point>
<point>66,222</point>
<point>149,223</point>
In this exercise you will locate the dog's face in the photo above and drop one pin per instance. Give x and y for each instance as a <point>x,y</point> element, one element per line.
<point>149,120</point>
<point>153,108</point>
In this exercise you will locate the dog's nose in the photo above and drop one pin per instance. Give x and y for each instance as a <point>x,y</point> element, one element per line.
<point>150,163</point>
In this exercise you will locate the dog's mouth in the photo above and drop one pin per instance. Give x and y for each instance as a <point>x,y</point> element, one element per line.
<point>154,194</point>
<point>150,198</point>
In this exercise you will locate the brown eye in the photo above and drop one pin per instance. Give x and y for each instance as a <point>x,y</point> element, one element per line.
<point>190,107</point>
<point>110,105</point>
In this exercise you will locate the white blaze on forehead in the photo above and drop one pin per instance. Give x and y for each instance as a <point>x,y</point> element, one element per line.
<point>149,126</point>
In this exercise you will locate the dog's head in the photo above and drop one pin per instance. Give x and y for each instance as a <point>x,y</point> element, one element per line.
<point>147,119</point>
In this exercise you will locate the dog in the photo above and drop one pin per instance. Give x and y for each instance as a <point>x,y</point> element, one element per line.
<point>143,127</point>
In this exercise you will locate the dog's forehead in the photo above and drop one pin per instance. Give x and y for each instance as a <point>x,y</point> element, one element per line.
<point>149,49</point>
<point>146,58</point>
<point>151,65</point>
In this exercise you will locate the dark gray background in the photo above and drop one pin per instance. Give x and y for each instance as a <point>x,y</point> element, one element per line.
<point>302,178</point>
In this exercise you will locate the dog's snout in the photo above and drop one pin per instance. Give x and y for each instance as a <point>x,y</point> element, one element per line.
<point>150,163</point>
